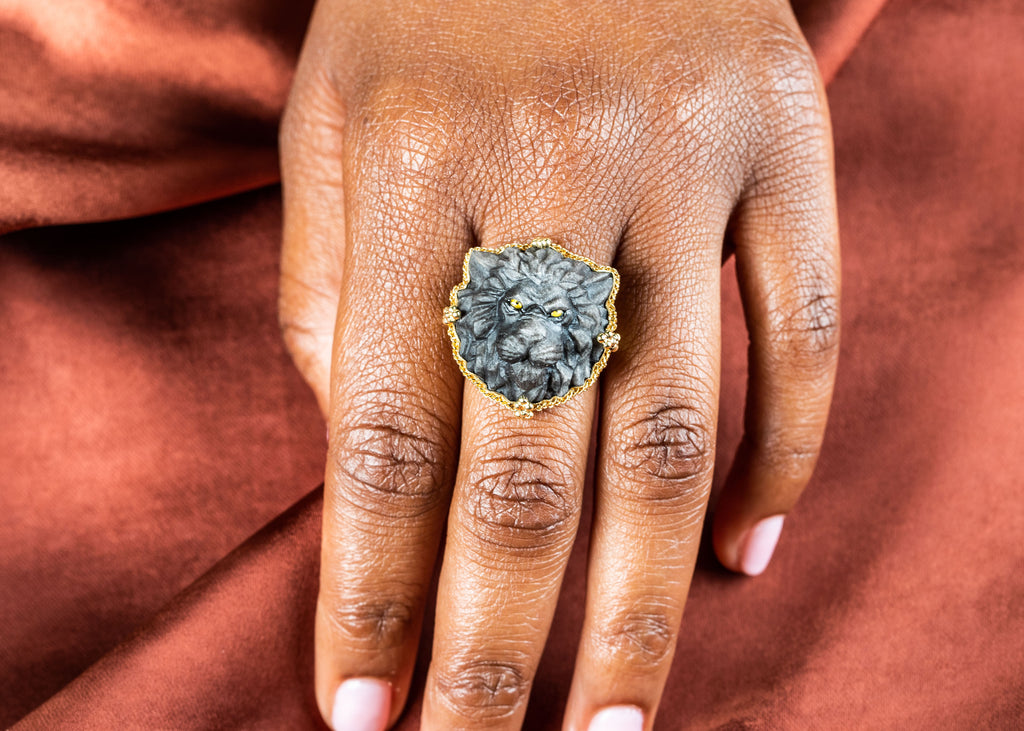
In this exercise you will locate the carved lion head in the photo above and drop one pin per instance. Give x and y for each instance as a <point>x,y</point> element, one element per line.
<point>529,321</point>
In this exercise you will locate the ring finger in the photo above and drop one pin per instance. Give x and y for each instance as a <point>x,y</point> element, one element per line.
<point>654,469</point>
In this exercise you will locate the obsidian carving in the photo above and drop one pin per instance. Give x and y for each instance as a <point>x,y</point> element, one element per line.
<point>529,319</point>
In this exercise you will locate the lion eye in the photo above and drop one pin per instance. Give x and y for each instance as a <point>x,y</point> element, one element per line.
<point>557,313</point>
<point>516,303</point>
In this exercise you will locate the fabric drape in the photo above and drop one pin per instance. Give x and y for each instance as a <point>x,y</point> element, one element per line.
<point>159,526</point>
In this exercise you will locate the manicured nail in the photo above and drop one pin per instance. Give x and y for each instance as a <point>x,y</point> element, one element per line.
<point>617,718</point>
<point>757,547</point>
<point>361,704</point>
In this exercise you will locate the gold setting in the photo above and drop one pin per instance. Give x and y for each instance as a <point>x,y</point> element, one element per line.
<point>609,338</point>
<point>451,314</point>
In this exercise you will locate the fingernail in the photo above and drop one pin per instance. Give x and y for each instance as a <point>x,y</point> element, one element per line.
<point>617,718</point>
<point>361,704</point>
<point>757,547</point>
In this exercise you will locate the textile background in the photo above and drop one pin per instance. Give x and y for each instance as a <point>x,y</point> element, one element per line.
<point>158,534</point>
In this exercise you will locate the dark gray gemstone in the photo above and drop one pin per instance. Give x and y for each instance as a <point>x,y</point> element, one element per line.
<point>529,321</point>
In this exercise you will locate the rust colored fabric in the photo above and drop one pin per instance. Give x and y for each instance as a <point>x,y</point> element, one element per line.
<point>151,423</point>
<point>116,108</point>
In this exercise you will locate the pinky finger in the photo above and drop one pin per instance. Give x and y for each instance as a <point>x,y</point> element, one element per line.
<point>787,261</point>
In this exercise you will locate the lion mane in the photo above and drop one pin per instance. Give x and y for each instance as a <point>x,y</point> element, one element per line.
<point>570,350</point>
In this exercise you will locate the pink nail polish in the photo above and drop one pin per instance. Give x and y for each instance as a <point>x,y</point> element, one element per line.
<point>361,704</point>
<point>617,718</point>
<point>757,547</point>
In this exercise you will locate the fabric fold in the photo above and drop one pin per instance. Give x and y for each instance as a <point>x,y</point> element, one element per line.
<point>152,419</point>
<point>111,109</point>
<point>238,636</point>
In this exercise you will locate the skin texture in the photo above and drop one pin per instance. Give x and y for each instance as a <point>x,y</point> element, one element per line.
<point>659,137</point>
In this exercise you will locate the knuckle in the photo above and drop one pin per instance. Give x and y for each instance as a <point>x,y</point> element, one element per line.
<point>390,467</point>
<point>781,63</point>
<point>639,640</point>
<point>399,129</point>
<point>672,449</point>
<point>312,107</point>
<point>295,120</point>
<point>379,624</point>
<point>689,93</point>
<point>522,501</point>
<point>789,93</point>
<point>569,114</point>
<point>482,690</point>
<point>808,336</point>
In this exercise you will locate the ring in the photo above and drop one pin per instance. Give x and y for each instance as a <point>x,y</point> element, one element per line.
<point>532,325</point>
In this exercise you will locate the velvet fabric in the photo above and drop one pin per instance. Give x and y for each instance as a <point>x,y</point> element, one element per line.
<point>159,539</point>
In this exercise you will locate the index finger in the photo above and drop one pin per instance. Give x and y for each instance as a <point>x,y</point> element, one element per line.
<point>394,416</point>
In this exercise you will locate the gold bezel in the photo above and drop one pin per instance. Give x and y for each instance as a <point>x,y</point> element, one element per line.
<point>523,408</point>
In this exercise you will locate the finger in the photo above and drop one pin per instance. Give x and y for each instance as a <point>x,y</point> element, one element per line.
<point>313,245</point>
<point>394,415</point>
<point>787,262</point>
<point>659,408</point>
<point>512,523</point>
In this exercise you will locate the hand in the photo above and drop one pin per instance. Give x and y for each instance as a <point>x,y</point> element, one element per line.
<point>644,134</point>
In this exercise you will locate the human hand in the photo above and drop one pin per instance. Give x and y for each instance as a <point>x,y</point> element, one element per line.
<point>653,135</point>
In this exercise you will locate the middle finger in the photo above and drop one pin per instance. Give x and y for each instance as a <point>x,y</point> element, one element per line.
<point>512,523</point>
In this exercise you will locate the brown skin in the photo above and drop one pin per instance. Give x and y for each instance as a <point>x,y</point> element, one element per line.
<point>643,134</point>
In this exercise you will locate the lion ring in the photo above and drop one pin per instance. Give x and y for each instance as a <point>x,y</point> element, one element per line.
<point>532,325</point>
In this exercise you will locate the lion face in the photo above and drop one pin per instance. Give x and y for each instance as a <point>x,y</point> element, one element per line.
<point>531,324</point>
<point>529,319</point>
